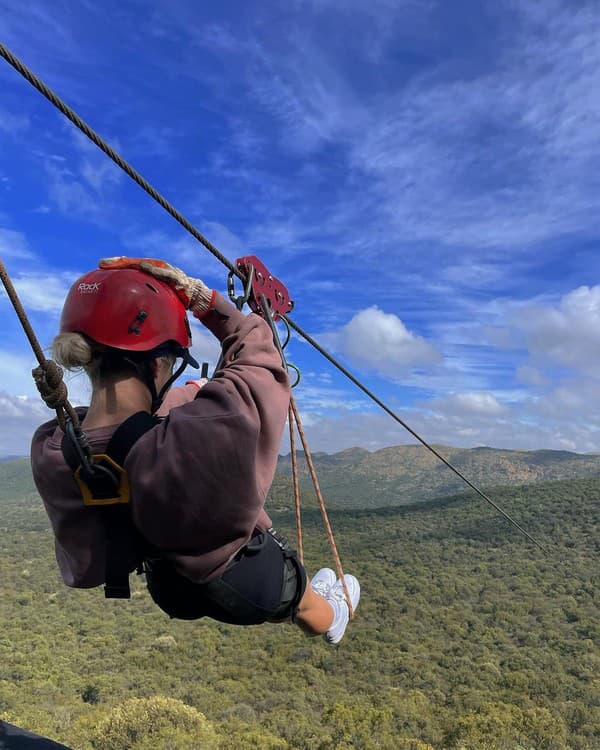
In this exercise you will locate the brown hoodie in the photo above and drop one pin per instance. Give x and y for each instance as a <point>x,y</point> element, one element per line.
<point>199,479</point>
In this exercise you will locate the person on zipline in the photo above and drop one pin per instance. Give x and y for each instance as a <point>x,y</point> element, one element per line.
<point>199,476</point>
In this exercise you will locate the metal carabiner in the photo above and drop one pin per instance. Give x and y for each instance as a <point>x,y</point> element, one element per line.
<point>242,299</point>
<point>269,318</point>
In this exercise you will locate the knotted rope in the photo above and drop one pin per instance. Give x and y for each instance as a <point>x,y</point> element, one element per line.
<point>50,384</point>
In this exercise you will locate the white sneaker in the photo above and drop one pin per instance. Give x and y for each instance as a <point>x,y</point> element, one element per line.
<point>337,599</point>
<point>322,582</point>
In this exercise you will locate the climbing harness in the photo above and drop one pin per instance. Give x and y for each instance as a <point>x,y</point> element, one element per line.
<point>108,491</point>
<point>70,114</point>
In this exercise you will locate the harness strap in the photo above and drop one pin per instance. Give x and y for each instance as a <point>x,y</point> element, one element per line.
<point>121,537</point>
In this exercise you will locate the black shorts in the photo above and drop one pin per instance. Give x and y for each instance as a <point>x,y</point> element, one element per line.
<point>264,582</point>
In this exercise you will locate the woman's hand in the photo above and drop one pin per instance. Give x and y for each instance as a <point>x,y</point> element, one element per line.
<point>194,293</point>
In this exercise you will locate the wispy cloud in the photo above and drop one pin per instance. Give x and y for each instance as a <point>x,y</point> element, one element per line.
<point>84,183</point>
<point>12,124</point>
<point>43,292</point>
<point>319,397</point>
<point>69,194</point>
<point>14,244</point>
<point>511,165</point>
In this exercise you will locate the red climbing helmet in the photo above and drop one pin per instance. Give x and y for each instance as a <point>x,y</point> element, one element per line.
<point>127,309</point>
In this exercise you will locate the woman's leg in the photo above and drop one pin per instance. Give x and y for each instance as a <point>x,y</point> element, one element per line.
<point>315,614</point>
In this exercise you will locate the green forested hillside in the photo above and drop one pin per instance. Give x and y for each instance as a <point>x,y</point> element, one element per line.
<point>16,479</point>
<point>405,474</point>
<point>466,637</point>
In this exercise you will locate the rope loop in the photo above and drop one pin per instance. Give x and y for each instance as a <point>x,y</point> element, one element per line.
<point>49,382</point>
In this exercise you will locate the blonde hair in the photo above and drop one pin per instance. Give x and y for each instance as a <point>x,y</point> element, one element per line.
<point>74,351</point>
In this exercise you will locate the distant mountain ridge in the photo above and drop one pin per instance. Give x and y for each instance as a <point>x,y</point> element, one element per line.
<point>407,474</point>
<point>396,476</point>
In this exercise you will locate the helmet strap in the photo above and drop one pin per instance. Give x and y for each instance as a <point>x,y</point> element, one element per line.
<point>144,370</point>
<point>158,399</point>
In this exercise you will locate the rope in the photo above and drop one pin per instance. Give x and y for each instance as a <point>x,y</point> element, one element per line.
<point>22,69</point>
<point>313,476</point>
<point>49,381</point>
<point>293,415</point>
<point>296,485</point>
<point>48,376</point>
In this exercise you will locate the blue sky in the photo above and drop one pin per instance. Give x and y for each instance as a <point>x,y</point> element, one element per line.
<point>424,176</point>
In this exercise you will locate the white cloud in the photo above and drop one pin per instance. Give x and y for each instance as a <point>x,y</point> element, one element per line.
<point>570,400</point>
<point>564,334</point>
<point>43,292</point>
<point>14,245</point>
<point>380,341</point>
<point>20,416</point>
<point>16,379</point>
<point>15,373</point>
<point>464,404</point>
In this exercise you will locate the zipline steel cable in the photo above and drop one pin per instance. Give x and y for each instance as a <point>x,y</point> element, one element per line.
<point>38,84</point>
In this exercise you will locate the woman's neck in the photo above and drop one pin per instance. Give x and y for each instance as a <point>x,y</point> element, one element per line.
<point>112,403</point>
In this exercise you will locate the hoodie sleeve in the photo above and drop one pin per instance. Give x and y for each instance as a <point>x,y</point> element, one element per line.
<point>179,395</point>
<point>199,479</point>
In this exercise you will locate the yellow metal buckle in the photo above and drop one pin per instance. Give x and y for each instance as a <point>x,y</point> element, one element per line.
<point>123,490</point>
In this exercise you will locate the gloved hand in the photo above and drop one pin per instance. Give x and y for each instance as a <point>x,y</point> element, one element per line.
<point>200,383</point>
<point>194,293</point>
